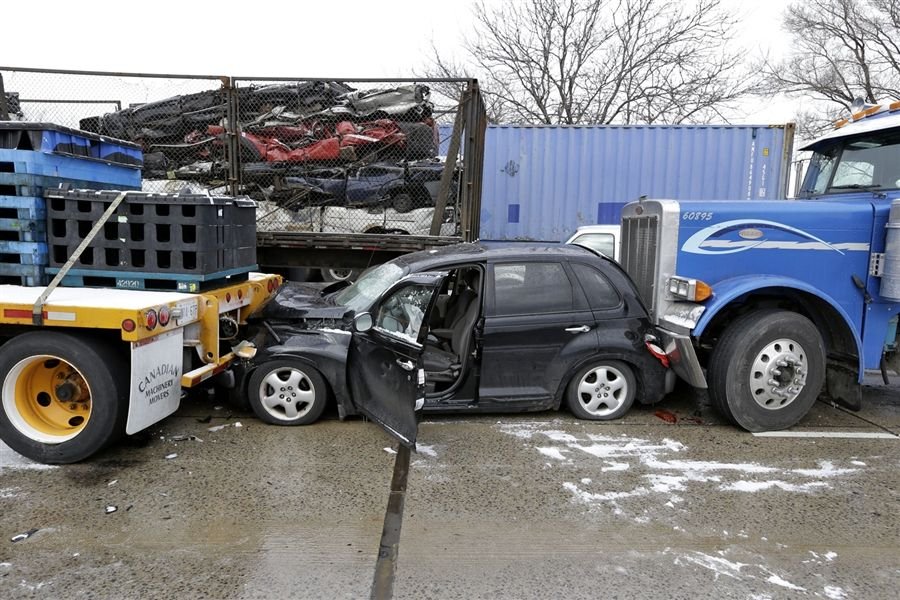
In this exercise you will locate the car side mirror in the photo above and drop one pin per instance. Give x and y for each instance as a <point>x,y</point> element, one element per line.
<point>362,322</point>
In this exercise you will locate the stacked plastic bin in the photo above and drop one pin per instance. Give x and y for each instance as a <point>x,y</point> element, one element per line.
<point>178,242</point>
<point>36,158</point>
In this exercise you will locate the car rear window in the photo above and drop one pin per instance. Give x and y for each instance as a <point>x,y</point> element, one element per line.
<point>600,292</point>
<point>529,288</point>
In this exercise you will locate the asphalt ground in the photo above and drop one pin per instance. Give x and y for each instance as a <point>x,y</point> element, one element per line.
<point>669,502</point>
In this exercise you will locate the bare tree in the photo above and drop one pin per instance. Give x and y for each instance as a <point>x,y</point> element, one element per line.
<point>841,50</point>
<point>606,61</point>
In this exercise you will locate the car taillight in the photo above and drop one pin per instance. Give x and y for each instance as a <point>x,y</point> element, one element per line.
<point>652,345</point>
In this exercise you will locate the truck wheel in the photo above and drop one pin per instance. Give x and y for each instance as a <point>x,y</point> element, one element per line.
<point>602,391</point>
<point>287,392</point>
<point>767,370</point>
<point>63,397</point>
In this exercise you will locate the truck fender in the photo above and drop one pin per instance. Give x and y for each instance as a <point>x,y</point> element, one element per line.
<point>726,291</point>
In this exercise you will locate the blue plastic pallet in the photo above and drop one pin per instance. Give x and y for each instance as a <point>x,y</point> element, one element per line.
<point>23,253</point>
<point>172,282</point>
<point>52,138</point>
<point>30,275</point>
<point>27,162</point>
<point>23,219</point>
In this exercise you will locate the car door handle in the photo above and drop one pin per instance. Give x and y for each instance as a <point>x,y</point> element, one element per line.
<point>582,329</point>
<point>406,364</point>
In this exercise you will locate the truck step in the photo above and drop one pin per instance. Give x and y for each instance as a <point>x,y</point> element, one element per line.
<point>168,282</point>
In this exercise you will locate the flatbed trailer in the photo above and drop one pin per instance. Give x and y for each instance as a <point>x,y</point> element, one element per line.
<point>90,365</point>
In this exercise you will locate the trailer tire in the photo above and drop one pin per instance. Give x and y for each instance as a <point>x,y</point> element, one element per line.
<point>60,423</point>
<point>767,370</point>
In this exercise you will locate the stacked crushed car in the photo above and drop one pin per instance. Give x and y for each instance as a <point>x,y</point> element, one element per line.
<point>305,149</point>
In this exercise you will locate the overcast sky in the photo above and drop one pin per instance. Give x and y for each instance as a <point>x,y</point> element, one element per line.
<point>340,39</point>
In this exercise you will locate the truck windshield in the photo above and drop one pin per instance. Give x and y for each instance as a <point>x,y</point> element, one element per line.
<point>370,286</point>
<point>866,162</point>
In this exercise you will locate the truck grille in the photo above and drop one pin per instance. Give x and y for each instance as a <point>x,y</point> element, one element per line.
<point>640,240</point>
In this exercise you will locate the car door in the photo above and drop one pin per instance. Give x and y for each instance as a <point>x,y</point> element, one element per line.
<point>537,325</point>
<point>384,366</point>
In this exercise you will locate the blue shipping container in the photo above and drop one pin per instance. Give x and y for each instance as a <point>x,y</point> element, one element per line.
<point>543,182</point>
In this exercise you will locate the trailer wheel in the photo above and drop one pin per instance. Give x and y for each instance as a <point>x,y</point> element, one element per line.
<point>63,397</point>
<point>335,274</point>
<point>767,370</point>
<point>287,392</point>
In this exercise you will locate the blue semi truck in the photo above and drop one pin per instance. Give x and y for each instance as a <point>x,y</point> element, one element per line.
<point>769,304</point>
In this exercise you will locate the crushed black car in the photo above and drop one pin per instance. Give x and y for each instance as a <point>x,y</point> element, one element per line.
<point>462,328</point>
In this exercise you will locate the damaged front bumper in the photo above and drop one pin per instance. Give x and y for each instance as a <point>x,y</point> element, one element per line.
<point>674,329</point>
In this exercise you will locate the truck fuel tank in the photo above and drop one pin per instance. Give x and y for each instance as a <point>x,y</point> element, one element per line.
<point>890,278</point>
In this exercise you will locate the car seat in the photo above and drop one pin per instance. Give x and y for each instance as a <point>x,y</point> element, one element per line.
<point>444,363</point>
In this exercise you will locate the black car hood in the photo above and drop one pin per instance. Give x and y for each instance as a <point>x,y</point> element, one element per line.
<point>303,307</point>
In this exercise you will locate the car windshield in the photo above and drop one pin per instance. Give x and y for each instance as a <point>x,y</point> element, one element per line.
<point>370,286</point>
<point>869,162</point>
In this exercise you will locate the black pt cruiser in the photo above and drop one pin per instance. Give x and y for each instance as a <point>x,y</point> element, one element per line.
<point>461,328</point>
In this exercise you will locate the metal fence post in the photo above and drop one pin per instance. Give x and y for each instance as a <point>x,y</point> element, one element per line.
<point>4,109</point>
<point>232,131</point>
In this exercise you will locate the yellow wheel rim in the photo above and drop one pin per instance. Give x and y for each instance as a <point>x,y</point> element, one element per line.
<point>47,399</point>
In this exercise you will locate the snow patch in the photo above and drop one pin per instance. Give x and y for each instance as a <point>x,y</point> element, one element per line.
<point>775,579</point>
<point>834,592</point>
<point>716,564</point>
<point>10,459</point>
<point>615,466</point>
<point>8,492</point>
<point>758,486</point>
<point>858,463</point>
<point>556,453</point>
<point>826,469</point>
<point>426,450</point>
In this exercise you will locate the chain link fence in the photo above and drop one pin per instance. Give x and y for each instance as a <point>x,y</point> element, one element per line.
<point>318,155</point>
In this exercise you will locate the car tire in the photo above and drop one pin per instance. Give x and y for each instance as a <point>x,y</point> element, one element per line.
<point>767,370</point>
<point>602,391</point>
<point>402,202</point>
<point>287,392</point>
<point>64,423</point>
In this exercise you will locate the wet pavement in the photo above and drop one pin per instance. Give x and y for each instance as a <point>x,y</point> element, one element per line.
<point>668,502</point>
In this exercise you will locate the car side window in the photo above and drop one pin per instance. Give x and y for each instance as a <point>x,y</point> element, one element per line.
<point>600,292</point>
<point>401,313</point>
<point>531,288</point>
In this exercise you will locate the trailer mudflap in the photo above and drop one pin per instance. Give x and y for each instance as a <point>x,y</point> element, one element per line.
<point>155,380</point>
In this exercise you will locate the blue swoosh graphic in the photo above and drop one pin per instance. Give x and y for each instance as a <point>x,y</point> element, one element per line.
<point>693,243</point>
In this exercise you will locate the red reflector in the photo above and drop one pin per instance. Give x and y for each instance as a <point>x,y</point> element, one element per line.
<point>164,316</point>
<point>128,325</point>
<point>240,294</point>
<point>150,319</point>
<point>228,297</point>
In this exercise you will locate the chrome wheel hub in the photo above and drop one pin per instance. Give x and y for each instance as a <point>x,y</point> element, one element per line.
<point>778,374</point>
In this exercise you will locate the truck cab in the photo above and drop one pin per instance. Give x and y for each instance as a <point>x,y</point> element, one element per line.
<point>770,303</point>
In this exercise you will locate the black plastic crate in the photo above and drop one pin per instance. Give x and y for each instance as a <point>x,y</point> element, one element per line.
<point>153,233</point>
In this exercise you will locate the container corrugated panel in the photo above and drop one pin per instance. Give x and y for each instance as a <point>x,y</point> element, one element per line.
<point>542,182</point>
